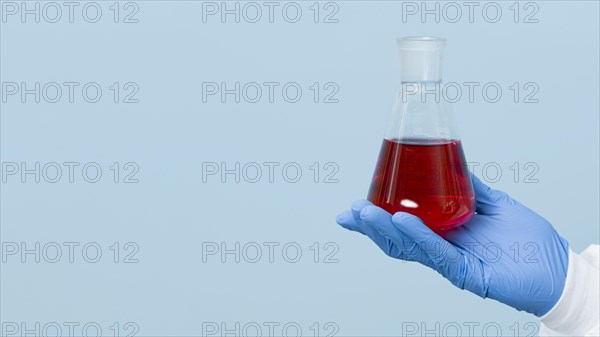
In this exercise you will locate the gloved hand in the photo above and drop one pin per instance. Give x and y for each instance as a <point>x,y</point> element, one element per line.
<point>505,251</point>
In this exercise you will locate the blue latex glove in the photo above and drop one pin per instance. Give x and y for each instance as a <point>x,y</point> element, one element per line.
<point>505,252</point>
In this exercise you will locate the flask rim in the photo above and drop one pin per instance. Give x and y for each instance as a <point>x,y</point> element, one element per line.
<point>421,43</point>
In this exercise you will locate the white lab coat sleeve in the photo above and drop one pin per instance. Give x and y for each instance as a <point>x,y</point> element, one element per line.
<point>577,312</point>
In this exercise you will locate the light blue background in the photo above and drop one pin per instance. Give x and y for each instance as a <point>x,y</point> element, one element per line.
<point>169,53</point>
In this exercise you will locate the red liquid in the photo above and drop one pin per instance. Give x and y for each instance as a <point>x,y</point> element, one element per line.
<point>426,178</point>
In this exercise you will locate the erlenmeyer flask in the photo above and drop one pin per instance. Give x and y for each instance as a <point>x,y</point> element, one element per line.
<point>421,167</point>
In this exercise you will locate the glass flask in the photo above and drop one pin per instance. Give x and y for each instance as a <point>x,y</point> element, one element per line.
<point>421,167</point>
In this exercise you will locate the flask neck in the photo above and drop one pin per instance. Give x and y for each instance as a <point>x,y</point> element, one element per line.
<point>420,66</point>
<point>420,113</point>
<point>421,59</point>
<point>423,93</point>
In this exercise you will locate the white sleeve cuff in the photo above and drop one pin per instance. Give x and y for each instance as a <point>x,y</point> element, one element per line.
<point>577,312</point>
